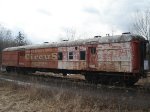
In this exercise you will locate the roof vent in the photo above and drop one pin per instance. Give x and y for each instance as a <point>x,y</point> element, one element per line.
<point>107,35</point>
<point>65,40</point>
<point>97,36</point>
<point>46,42</point>
<point>126,33</point>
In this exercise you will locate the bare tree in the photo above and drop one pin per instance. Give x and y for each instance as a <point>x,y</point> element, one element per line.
<point>68,34</point>
<point>71,34</point>
<point>141,24</point>
<point>8,40</point>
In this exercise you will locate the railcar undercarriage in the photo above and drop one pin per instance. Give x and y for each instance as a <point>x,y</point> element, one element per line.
<point>112,79</point>
<point>106,78</point>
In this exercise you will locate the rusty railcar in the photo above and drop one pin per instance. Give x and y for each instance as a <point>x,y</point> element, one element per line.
<point>107,59</point>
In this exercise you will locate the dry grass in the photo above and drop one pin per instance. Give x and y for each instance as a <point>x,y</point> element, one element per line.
<point>144,81</point>
<point>14,98</point>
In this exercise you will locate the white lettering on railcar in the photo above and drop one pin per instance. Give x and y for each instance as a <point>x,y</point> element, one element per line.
<point>51,56</point>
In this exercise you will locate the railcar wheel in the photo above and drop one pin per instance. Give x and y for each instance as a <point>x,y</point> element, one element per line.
<point>64,74</point>
<point>92,78</point>
<point>102,79</point>
<point>131,81</point>
<point>22,71</point>
<point>113,81</point>
<point>8,69</point>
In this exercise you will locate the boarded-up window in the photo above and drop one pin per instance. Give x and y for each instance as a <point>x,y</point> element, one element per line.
<point>60,56</point>
<point>82,55</point>
<point>70,55</point>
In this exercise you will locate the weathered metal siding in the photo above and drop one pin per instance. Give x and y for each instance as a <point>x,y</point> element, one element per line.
<point>42,58</point>
<point>10,58</point>
<point>115,57</point>
<point>72,64</point>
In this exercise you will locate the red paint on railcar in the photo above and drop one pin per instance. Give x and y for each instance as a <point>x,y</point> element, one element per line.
<point>135,56</point>
<point>10,58</point>
<point>44,58</point>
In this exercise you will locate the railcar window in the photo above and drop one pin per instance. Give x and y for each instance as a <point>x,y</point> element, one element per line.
<point>76,48</point>
<point>93,50</point>
<point>82,55</point>
<point>60,56</point>
<point>70,55</point>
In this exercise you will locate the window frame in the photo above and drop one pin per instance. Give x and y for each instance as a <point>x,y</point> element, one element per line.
<point>70,54</point>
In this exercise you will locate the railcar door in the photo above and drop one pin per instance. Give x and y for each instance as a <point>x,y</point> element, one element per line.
<point>92,58</point>
<point>21,58</point>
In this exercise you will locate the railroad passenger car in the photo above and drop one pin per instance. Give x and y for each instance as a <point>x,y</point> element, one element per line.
<point>110,59</point>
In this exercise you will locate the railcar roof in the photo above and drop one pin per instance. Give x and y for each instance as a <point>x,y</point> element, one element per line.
<point>106,39</point>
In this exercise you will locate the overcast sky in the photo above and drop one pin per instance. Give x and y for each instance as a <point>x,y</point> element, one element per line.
<point>47,20</point>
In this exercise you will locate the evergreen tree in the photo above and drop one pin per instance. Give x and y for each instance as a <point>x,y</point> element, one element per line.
<point>20,39</point>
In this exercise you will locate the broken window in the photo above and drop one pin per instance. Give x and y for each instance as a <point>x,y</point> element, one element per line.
<point>82,55</point>
<point>60,56</point>
<point>93,50</point>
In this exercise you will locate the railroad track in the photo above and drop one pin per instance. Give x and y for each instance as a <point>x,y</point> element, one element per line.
<point>66,82</point>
